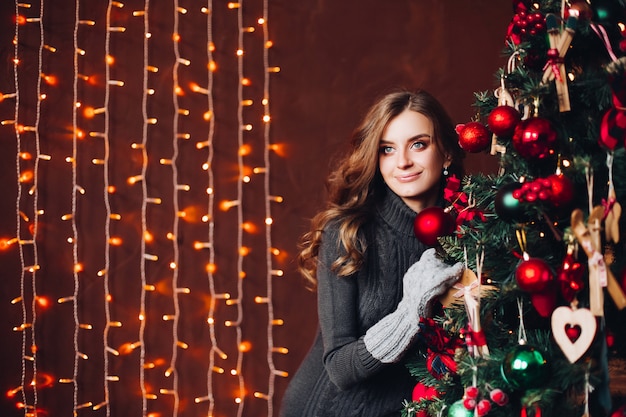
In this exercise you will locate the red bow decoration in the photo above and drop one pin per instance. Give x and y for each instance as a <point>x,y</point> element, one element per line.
<point>553,62</point>
<point>459,201</point>
<point>440,346</point>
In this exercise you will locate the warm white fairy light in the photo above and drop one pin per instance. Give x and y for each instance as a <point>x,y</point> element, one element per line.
<point>18,221</point>
<point>144,205</point>
<point>249,140</point>
<point>107,204</point>
<point>172,371</point>
<point>75,190</point>
<point>29,360</point>
<point>240,400</point>
<point>269,198</point>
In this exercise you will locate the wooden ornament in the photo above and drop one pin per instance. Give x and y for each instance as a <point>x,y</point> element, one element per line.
<point>611,222</point>
<point>455,293</point>
<point>582,318</point>
<point>589,240</point>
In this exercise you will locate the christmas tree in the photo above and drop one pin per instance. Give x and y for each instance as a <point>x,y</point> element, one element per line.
<point>536,325</point>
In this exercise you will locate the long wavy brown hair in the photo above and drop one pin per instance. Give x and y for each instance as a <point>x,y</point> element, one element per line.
<point>356,184</point>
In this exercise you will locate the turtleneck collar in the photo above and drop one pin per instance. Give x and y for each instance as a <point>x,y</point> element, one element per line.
<point>396,213</point>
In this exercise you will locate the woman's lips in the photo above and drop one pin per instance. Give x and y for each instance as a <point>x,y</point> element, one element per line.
<point>407,177</point>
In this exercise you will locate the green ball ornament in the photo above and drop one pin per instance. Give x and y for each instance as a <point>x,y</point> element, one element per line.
<point>524,367</point>
<point>457,409</point>
<point>509,208</point>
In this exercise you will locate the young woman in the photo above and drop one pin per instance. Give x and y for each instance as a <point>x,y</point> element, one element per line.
<point>374,278</point>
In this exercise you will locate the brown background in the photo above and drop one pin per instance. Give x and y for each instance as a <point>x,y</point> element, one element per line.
<point>335,58</point>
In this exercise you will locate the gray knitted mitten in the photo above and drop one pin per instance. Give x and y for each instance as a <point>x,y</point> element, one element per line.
<point>425,280</point>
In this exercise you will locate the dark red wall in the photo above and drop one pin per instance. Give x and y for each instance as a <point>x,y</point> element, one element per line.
<point>335,57</point>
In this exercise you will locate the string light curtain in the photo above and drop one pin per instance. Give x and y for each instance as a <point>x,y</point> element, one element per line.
<point>143,208</point>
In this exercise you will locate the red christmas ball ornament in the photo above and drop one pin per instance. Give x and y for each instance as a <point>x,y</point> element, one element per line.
<point>562,190</point>
<point>431,223</point>
<point>533,275</point>
<point>534,138</point>
<point>473,137</point>
<point>423,392</point>
<point>502,120</point>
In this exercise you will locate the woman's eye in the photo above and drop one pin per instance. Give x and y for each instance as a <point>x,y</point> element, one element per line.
<point>386,149</point>
<point>418,145</point>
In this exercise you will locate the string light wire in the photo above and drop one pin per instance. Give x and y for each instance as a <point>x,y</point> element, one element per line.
<point>210,210</point>
<point>75,238</point>
<point>36,212</point>
<point>176,220</point>
<point>144,209</point>
<point>268,214</point>
<point>106,275</point>
<point>18,204</point>
<point>240,164</point>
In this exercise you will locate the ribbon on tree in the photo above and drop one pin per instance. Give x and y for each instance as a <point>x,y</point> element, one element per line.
<point>613,124</point>
<point>475,339</point>
<point>555,66</point>
<point>466,210</point>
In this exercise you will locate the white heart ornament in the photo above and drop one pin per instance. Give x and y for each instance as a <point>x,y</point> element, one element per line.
<point>581,317</point>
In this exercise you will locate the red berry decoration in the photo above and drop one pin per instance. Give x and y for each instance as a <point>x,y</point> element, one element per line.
<point>431,223</point>
<point>483,407</point>
<point>534,138</point>
<point>471,392</point>
<point>499,397</point>
<point>533,275</point>
<point>502,120</point>
<point>469,403</point>
<point>473,137</point>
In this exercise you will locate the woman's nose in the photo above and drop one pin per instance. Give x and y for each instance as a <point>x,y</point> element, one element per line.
<point>404,160</point>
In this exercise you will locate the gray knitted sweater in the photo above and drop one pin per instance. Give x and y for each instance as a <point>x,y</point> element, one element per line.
<point>339,377</point>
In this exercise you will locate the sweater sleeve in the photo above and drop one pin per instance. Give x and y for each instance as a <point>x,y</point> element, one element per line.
<point>346,358</point>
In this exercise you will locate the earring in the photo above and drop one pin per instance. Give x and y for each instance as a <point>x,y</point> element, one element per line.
<point>445,171</point>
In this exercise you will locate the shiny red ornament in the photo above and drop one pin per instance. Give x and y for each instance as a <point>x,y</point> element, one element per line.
<point>562,190</point>
<point>473,137</point>
<point>533,275</point>
<point>534,138</point>
<point>502,120</point>
<point>431,223</point>
<point>570,277</point>
<point>423,392</point>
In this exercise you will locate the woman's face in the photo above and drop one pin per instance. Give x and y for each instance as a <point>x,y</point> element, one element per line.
<point>409,161</point>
